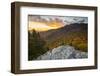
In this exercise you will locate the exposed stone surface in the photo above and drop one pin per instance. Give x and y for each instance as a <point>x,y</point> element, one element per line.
<point>63,52</point>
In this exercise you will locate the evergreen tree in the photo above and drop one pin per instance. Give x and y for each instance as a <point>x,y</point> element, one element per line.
<point>36,46</point>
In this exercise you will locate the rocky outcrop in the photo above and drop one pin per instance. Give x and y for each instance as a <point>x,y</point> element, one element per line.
<point>63,52</point>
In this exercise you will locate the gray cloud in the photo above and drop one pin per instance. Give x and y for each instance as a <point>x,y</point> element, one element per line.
<point>65,19</point>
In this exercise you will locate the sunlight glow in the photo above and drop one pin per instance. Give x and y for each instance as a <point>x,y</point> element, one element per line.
<point>43,26</point>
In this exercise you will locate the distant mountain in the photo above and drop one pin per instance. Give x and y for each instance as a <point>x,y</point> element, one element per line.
<point>59,40</point>
<point>64,31</point>
<point>73,34</point>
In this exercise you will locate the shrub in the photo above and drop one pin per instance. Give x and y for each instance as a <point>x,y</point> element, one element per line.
<point>82,46</point>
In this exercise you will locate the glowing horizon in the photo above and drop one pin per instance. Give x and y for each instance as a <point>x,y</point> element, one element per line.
<point>43,26</point>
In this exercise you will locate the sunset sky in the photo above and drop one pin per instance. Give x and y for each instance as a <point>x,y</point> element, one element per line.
<point>45,23</point>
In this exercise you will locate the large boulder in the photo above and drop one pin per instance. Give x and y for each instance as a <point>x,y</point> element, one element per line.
<point>63,52</point>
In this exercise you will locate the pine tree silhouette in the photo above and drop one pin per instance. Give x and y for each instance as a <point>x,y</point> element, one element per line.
<point>36,46</point>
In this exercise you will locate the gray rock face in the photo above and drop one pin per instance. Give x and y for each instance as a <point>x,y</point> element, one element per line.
<point>63,52</point>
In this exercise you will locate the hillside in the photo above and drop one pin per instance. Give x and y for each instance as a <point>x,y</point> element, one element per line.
<point>74,35</point>
<point>64,31</point>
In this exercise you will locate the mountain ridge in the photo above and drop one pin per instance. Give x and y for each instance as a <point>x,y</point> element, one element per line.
<point>76,27</point>
<point>74,35</point>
